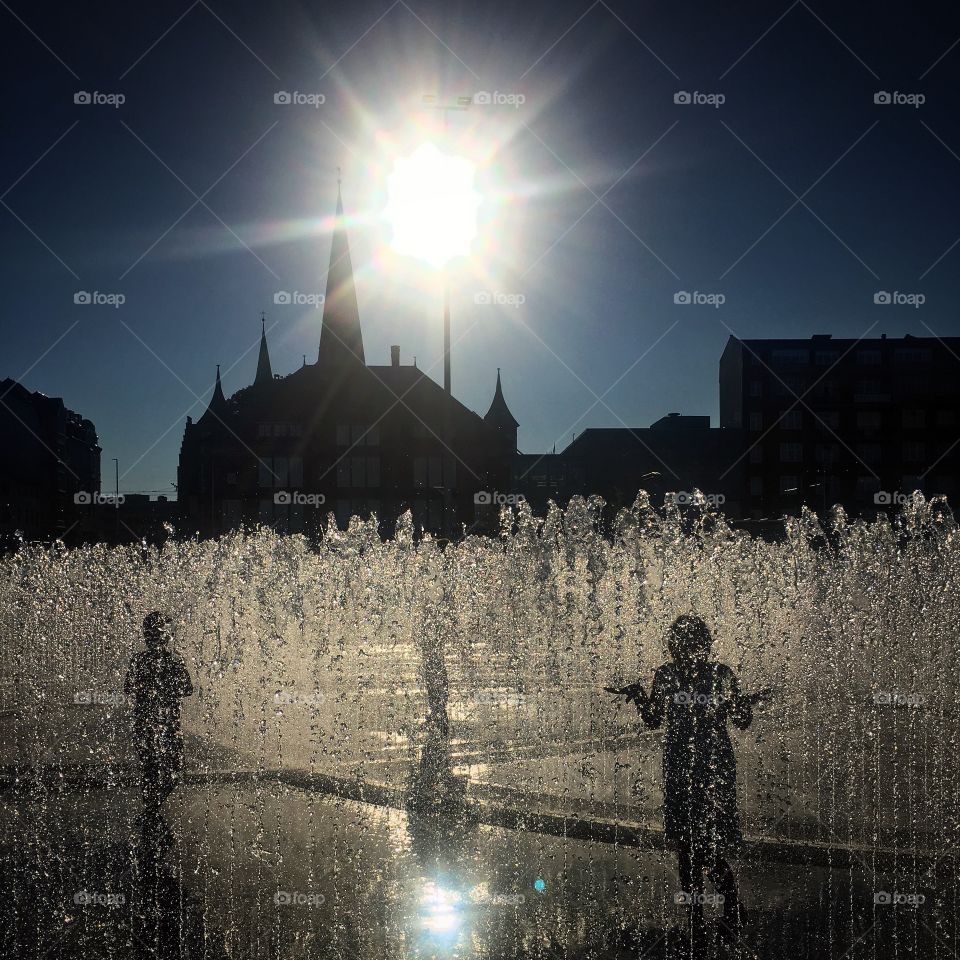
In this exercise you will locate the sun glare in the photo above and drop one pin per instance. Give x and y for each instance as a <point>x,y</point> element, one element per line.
<point>432,205</point>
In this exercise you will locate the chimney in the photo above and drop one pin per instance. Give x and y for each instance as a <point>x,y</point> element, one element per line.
<point>395,356</point>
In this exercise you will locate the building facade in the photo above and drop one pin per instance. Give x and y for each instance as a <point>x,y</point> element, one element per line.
<point>862,423</point>
<point>341,436</point>
<point>50,471</point>
<point>676,454</point>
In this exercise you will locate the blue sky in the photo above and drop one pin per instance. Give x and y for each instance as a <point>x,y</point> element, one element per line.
<point>198,198</point>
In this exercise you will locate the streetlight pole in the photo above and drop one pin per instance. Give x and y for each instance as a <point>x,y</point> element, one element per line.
<point>432,101</point>
<point>116,497</point>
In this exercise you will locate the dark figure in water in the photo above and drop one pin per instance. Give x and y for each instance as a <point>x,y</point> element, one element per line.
<point>697,697</point>
<point>158,680</point>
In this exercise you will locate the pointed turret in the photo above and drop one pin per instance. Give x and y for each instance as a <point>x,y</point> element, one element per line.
<point>499,414</point>
<point>502,420</point>
<point>264,373</point>
<point>218,403</point>
<point>341,339</point>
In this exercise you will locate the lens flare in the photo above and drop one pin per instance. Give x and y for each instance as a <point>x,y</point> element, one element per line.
<point>432,205</point>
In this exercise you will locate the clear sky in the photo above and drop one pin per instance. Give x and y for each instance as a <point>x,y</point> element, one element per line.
<point>199,198</point>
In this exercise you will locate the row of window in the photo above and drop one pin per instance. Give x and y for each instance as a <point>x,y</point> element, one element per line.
<point>824,453</point>
<point>865,419</point>
<point>864,357</point>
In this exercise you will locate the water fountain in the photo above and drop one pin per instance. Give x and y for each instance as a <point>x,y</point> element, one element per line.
<point>316,667</point>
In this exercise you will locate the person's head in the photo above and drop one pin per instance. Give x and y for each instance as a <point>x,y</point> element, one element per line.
<point>156,629</point>
<point>688,639</point>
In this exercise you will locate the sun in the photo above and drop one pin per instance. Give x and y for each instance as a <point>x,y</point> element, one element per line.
<point>432,205</point>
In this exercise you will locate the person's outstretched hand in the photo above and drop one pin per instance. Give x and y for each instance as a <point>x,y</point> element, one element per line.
<point>633,691</point>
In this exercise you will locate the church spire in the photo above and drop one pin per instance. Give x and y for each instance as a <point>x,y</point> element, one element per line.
<point>264,373</point>
<point>341,339</point>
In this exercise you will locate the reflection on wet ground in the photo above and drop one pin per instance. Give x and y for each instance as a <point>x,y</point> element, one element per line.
<point>268,870</point>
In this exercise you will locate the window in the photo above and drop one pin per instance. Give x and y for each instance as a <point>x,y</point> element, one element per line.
<point>868,358</point>
<point>909,355</point>
<point>946,418</point>
<point>279,429</point>
<point>870,390</point>
<point>756,420</point>
<point>789,483</point>
<point>296,471</point>
<point>825,452</point>
<point>343,435</point>
<point>358,471</point>
<point>828,419</point>
<point>263,429</point>
<point>791,452</point>
<point>756,388</point>
<point>869,419</point>
<point>867,485</point>
<point>914,419</point>
<point>792,420</point>
<point>790,356</point>
<point>826,358</point>
<point>913,451</point>
<point>869,452</point>
<point>756,486</point>
<point>756,454</point>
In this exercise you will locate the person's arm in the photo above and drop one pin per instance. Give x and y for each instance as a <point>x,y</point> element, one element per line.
<point>185,684</point>
<point>739,706</point>
<point>653,708</point>
<point>130,681</point>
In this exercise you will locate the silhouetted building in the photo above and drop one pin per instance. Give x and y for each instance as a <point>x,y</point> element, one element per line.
<point>50,467</point>
<point>861,423</point>
<point>676,454</point>
<point>341,436</point>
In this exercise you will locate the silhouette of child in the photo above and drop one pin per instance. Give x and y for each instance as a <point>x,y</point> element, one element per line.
<point>158,680</point>
<point>697,697</point>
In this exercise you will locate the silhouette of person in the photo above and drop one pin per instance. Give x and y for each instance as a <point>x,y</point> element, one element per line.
<point>697,697</point>
<point>158,680</point>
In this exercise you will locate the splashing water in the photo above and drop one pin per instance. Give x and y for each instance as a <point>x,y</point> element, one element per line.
<point>324,662</point>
